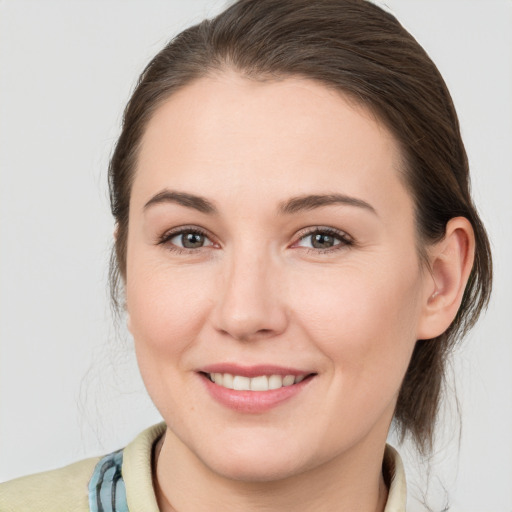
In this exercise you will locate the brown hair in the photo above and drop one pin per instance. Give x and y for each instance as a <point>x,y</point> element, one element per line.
<point>361,50</point>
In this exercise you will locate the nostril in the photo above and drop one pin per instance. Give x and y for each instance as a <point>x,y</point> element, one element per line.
<point>259,334</point>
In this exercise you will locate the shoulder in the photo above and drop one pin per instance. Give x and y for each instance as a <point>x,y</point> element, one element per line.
<point>70,488</point>
<point>60,490</point>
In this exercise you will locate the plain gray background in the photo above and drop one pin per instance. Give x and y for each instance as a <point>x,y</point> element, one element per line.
<point>69,387</point>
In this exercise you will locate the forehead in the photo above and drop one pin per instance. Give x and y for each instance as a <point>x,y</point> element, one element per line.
<point>232,133</point>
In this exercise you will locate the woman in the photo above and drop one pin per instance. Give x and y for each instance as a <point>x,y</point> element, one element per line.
<point>298,252</point>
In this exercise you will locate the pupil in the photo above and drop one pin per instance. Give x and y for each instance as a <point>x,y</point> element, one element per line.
<point>192,240</point>
<point>322,241</point>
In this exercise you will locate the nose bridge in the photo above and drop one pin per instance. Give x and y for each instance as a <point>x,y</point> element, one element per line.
<point>250,300</point>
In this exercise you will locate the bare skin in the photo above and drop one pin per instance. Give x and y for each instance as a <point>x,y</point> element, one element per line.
<point>269,226</point>
<point>165,505</point>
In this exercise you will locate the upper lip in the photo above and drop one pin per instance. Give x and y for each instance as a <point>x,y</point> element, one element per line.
<point>253,370</point>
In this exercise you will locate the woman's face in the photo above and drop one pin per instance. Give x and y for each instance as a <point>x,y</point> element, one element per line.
<point>271,245</point>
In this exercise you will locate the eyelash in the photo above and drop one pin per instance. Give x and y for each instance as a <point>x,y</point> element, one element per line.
<point>169,235</point>
<point>344,239</point>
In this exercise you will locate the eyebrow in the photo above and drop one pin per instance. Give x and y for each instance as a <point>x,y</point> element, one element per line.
<point>189,200</point>
<point>293,205</point>
<point>310,202</point>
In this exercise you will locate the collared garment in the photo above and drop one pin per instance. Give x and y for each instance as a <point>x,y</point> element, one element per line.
<point>122,482</point>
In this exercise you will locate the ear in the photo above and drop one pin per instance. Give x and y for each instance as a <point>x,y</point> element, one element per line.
<point>451,261</point>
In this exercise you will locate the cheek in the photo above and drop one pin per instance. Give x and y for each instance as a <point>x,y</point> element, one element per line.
<point>363,319</point>
<point>167,308</point>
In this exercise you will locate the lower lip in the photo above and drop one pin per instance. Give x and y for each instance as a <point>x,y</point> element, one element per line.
<point>253,401</point>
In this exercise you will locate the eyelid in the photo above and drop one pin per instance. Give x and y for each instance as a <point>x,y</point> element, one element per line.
<point>343,236</point>
<point>171,233</point>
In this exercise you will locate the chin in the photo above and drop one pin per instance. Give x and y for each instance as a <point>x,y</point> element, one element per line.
<point>246,469</point>
<point>256,461</point>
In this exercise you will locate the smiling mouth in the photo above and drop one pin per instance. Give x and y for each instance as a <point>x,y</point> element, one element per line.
<point>257,383</point>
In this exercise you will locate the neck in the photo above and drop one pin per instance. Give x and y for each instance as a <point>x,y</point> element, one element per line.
<point>352,481</point>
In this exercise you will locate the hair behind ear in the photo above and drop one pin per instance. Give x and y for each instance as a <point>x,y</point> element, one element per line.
<point>450,260</point>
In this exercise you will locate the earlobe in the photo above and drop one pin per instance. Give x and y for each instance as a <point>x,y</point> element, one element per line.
<point>451,261</point>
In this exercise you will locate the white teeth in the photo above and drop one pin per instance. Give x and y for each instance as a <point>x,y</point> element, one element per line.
<point>275,382</point>
<point>288,380</point>
<point>227,381</point>
<point>241,383</point>
<point>259,383</point>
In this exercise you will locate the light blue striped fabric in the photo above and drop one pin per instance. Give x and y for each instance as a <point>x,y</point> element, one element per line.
<point>107,492</point>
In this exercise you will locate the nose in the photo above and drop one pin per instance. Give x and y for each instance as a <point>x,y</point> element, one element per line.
<point>250,305</point>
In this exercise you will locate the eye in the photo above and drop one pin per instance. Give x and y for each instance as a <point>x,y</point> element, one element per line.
<point>189,240</point>
<point>324,239</point>
<point>186,239</point>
